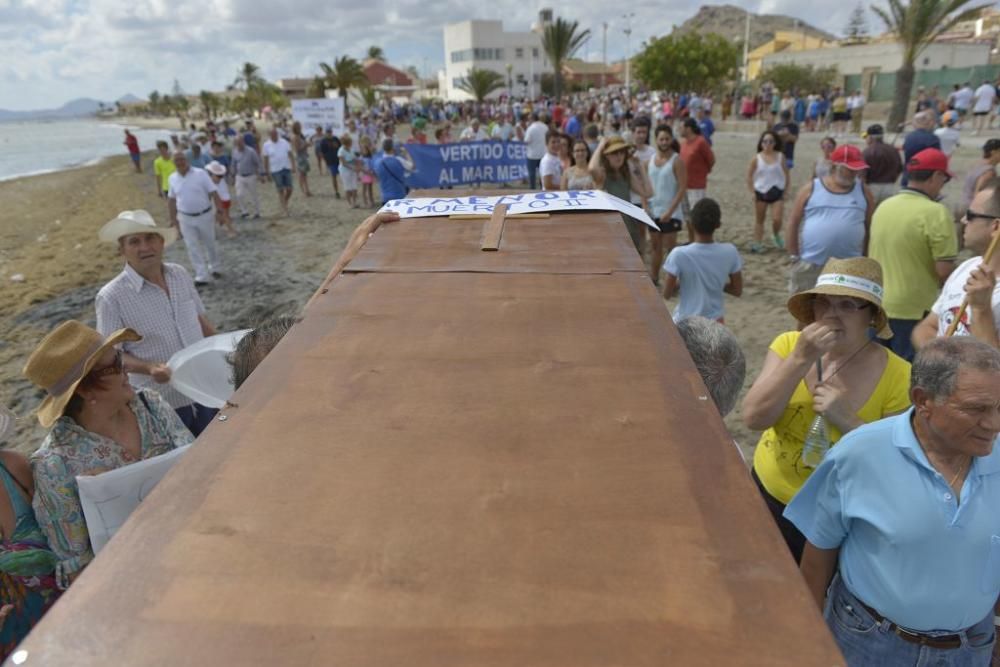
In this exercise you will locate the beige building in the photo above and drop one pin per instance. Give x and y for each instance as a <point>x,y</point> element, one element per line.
<point>785,41</point>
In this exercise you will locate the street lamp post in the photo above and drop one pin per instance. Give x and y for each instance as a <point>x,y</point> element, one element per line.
<point>510,82</point>
<point>628,54</point>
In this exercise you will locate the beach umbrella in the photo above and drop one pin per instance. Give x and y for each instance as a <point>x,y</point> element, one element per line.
<point>201,371</point>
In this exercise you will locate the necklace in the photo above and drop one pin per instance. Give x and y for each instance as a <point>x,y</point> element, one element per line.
<point>819,363</point>
<point>959,473</point>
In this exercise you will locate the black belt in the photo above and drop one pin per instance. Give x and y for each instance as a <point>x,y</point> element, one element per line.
<point>934,641</point>
<point>195,215</point>
<point>246,175</point>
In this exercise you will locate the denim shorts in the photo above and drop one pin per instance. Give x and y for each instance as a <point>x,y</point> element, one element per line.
<point>282,179</point>
<point>866,642</point>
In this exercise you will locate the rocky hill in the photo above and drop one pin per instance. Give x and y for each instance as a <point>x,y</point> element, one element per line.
<point>730,22</point>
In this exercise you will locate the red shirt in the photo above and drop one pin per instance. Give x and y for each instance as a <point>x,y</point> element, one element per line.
<point>132,143</point>
<point>557,115</point>
<point>699,159</point>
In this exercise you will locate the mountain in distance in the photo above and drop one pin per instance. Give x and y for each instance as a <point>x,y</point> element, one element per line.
<point>730,22</point>
<point>129,98</point>
<point>83,106</point>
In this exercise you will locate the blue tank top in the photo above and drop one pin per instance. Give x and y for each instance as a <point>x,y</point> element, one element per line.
<point>833,224</point>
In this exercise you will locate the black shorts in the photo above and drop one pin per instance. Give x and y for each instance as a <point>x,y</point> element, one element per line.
<point>771,196</point>
<point>979,113</point>
<point>671,226</point>
<point>841,115</point>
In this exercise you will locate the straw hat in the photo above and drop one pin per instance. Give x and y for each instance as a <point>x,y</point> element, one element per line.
<point>62,360</point>
<point>134,222</point>
<point>859,277</point>
<point>616,144</point>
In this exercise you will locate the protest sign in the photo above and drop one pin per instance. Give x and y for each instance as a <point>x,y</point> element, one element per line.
<point>438,165</point>
<point>527,202</point>
<point>109,498</point>
<point>324,112</point>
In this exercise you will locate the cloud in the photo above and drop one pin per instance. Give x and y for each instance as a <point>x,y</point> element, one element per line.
<point>106,48</point>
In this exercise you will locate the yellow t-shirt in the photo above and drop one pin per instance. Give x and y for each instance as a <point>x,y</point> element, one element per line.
<point>909,233</point>
<point>163,168</point>
<point>778,457</point>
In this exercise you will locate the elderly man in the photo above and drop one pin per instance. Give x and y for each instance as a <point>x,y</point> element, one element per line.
<point>191,197</point>
<point>159,301</point>
<point>717,355</point>
<point>902,516</point>
<point>884,164</point>
<point>280,164</point>
<point>913,238</point>
<point>921,138</point>
<point>974,279</point>
<point>245,165</point>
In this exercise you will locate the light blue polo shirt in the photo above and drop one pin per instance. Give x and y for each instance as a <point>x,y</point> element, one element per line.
<point>907,549</point>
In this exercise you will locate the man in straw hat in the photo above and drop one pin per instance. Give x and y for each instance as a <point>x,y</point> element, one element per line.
<point>974,279</point>
<point>913,238</point>
<point>97,423</point>
<point>158,299</point>
<point>902,516</point>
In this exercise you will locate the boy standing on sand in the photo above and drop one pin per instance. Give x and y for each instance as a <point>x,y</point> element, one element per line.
<point>163,166</point>
<point>703,270</point>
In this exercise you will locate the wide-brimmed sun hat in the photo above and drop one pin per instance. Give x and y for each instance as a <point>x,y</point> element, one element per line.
<point>858,277</point>
<point>63,359</point>
<point>134,222</point>
<point>616,144</point>
<point>216,167</point>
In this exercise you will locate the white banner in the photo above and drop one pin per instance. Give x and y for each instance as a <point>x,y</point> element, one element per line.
<point>529,202</point>
<point>109,498</point>
<point>324,112</point>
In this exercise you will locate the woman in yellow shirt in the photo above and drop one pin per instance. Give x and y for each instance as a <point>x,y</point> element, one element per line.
<point>833,368</point>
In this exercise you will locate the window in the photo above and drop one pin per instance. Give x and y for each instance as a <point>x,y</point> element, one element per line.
<point>461,56</point>
<point>518,52</point>
<point>534,53</point>
<point>538,78</point>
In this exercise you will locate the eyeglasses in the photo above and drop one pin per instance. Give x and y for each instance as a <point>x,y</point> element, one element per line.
<point>846,305</point>
<point>767,142</point>
<point>116,367</point>
<point>971,215</point>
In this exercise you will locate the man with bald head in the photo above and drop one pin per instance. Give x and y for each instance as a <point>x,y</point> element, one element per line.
<point>191,197</point>
<point>920,138</point>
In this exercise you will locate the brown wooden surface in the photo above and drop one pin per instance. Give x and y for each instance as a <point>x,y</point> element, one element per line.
<point>443,468</point>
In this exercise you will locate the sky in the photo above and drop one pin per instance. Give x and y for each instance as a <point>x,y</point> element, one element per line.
<point>58,50</point>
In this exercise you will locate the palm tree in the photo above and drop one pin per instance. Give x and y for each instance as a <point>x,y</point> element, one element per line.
<point>560,41</point>
<point>209,104</point>
<point>345,73</point>
<point>248,76</point>
<point>317,88</point>
<point>916,26</point>
<point>376,53</point>
<point>480,82</point>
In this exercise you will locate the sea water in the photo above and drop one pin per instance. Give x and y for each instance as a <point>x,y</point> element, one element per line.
<point>41,146</point>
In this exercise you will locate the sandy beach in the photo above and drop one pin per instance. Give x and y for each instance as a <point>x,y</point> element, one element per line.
<point>48,235</point>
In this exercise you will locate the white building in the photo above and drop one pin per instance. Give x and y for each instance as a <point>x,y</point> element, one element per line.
<point>518,56</point>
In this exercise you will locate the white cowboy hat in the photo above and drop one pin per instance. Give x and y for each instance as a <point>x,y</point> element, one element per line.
<point>135,222</point>
<point>215,167</point>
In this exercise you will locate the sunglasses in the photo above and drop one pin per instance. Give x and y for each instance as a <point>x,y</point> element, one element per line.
<point>971,215</point>
<point>116,367</point>
<point>845,305</point>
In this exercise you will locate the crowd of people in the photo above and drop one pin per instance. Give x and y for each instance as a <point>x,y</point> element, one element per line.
<point>896,528</point>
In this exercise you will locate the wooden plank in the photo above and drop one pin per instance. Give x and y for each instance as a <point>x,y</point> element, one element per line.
<point>493,229</point>
<point>449,469</point>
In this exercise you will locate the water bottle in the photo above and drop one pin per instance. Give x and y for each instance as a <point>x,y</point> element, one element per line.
<point>817,443</point>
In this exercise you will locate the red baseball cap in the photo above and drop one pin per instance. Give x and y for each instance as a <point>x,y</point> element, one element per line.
<point>849,156</point>
<point>929,159</point>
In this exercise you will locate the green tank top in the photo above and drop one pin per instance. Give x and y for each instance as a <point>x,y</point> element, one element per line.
<point>617,186</point>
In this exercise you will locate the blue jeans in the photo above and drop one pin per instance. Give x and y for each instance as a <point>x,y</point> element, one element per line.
<point>196,417</point>
<point>533,172</point>
<point>866,643</point>
<point>901,342</point>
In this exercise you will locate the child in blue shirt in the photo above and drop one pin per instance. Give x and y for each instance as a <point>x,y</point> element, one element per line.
<point>703,270</point>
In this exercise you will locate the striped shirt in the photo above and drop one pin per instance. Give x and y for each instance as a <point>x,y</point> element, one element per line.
<point>167,322</point>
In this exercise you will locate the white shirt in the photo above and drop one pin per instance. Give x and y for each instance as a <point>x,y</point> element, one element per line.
<point>167,322</point>
<point>503,131</point>
<point>948,302</point>
<point>223,189</point>
<point>192,191</point>
<point>534,137</point>
<point>277,154</point>
<point>551,165</point>
<point>949,137</point>
<point>985,94</point>
<point>469,134</point>
<point>855,102</point>
<point>963,98</point>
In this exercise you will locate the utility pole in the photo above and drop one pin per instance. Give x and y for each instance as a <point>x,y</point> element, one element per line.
<point>746,50</point>
<point>628,54</point>
<point>604,57</point>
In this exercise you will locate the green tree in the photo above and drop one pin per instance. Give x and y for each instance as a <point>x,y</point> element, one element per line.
<point>691,61</point>
<point>317,88</point>
<point>155,101</point>
<point>804,78</point>
<point>480,83</point>
<point>857,25</point>
<point>345,73</point>
<point>376,53</point>
<point>560,41</point>
<point>917,25</point>
<point>248,77</point>
<point>209,104</point>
